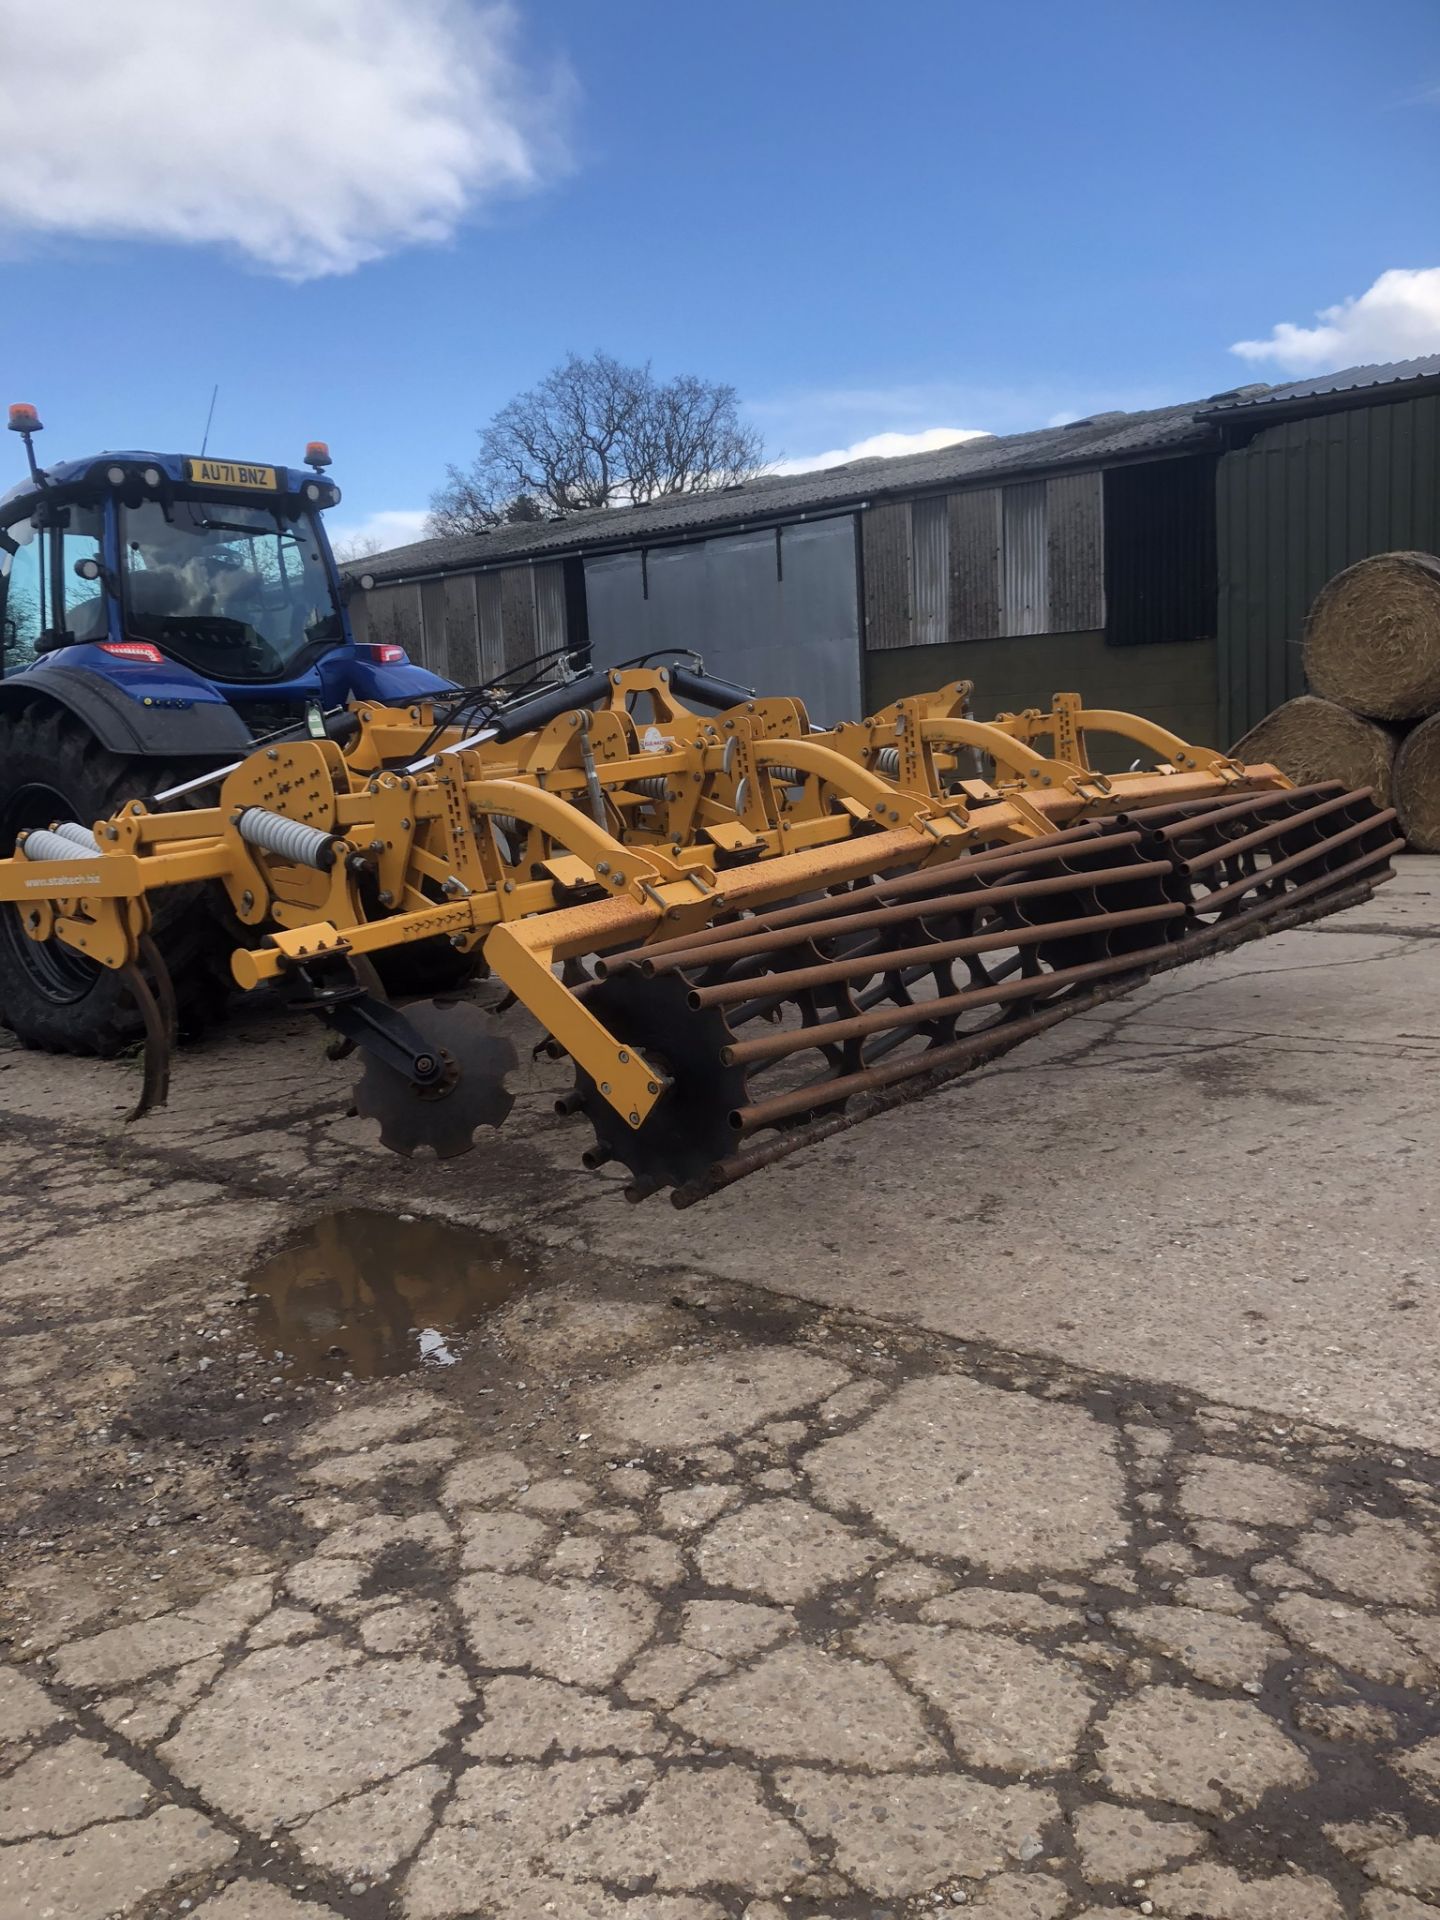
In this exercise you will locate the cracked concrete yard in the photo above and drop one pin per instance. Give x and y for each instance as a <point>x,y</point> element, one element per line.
<point>1028,1505</point>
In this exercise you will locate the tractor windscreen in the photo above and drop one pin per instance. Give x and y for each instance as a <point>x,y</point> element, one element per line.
<point>236,592</point>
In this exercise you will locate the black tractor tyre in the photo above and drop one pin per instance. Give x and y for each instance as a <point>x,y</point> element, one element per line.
<point>53,768</point>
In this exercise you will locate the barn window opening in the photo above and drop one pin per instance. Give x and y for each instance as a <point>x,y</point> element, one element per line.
<point>1160,564</point>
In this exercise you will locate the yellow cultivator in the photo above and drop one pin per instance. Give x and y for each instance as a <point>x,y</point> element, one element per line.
<point>745,933</point>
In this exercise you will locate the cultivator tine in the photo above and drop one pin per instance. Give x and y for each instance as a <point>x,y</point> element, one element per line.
<point>160,1014</point>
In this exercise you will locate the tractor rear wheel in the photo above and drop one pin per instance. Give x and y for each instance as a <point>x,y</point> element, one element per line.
<point>52,768</point>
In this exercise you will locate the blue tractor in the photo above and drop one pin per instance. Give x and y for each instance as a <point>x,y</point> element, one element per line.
<point>159,614</point>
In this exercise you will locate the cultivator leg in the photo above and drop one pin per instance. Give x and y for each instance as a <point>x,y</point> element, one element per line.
<point>745,934</point>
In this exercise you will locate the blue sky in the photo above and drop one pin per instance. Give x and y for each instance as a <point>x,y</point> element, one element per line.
<point>375,220</point>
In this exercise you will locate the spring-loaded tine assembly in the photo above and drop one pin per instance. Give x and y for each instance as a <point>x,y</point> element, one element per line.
<point>745,938</point>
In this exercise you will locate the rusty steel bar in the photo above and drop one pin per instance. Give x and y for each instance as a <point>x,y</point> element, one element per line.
<point>1021,854</point>
<point>776,1046</point>
<point>1262,836</point>
<point>1277,869</point>
<point>940,1065</point>
<point>798,979</point>
<point>703,952</point>
<point>1189,814</point>
<point>821,1093</point>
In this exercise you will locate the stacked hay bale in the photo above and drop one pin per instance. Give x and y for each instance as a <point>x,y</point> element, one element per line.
<point>1372,656</point>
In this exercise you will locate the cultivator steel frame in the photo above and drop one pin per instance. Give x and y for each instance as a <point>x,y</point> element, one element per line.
<point>745,933</point>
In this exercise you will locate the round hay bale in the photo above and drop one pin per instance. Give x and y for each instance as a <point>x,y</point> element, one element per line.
<point>1417,786</point>
<point>1311,740</point>
<point>1372,638</point>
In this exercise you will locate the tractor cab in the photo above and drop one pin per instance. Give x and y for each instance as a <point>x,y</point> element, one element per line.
<point>159,613</point>
<point>183,582</point>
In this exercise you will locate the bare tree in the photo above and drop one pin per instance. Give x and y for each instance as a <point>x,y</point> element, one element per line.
<point>687,437</point>
<point>460,506</point>
<point>596,433</point>
<point>356,546</point>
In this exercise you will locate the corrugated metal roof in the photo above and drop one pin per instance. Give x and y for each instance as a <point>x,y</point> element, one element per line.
<point>1348,380</point>
<point>1100,440</point>
<point>1107,436</point>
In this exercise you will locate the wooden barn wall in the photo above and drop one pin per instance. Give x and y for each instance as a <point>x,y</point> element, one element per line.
<point>886,562</point>
<point>517,614</point>
<point>974,521</point>
<point>392,618</point>
<point>490,617</point>
<point>1304,499</point>
<point>943,569</point>
<point>462,639</point>
<point>1076,536</point>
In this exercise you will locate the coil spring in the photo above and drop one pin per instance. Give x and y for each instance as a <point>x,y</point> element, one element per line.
<point>787,776</point>
<point>887,761</point>
<point>287,839</point>
<point>82,836</point>
<point>653,785</point>
<point>43,844</point>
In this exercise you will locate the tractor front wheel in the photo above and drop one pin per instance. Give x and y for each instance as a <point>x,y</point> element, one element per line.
<point>52,768</point>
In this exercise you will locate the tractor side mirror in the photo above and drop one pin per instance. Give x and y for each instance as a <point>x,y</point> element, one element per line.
<point>89,568</point>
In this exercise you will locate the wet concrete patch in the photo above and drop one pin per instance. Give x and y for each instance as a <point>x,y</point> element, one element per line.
<point>367,1294</point>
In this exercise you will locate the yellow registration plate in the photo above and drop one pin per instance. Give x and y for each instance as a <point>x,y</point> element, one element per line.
<point>231,473</point>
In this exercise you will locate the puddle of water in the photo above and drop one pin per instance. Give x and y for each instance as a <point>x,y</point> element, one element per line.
<point>370,1293</point>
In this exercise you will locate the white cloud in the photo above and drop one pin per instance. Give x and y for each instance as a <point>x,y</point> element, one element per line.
<point>308,135</point>
<point>883,445</point>
<point>1396,319</point>
<point>392,527</point>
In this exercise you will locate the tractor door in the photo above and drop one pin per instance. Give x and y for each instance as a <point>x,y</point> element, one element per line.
<point>24,595</point>
<point>43,602</point>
